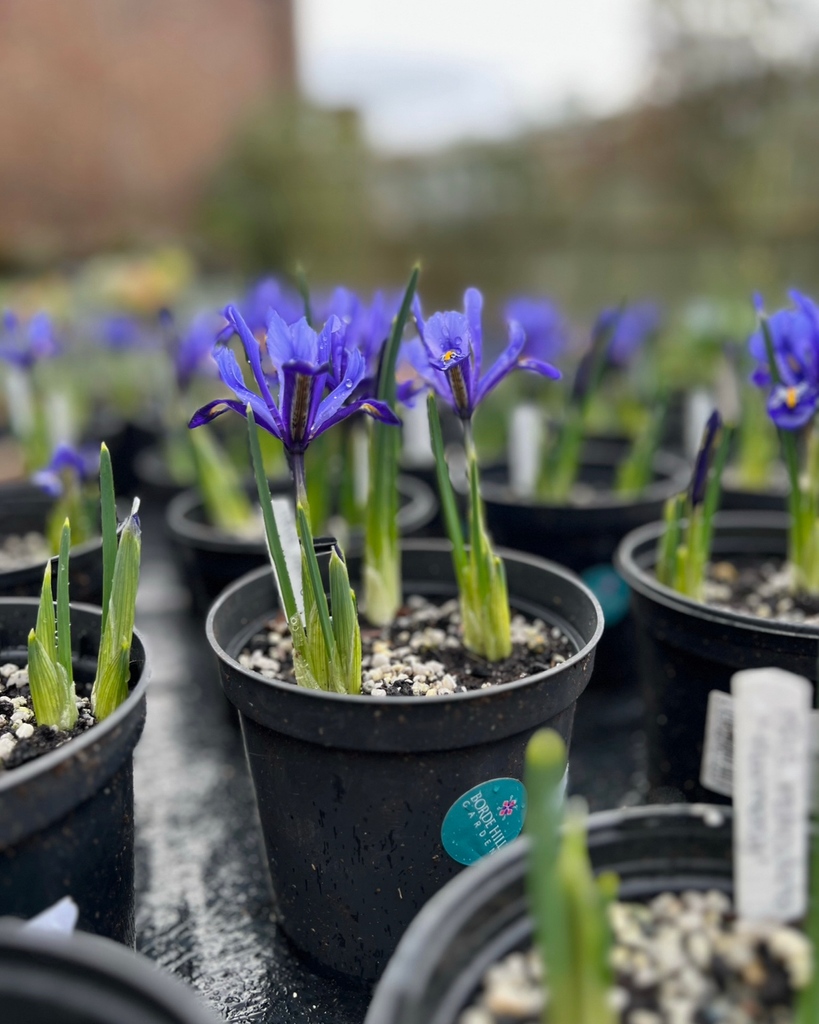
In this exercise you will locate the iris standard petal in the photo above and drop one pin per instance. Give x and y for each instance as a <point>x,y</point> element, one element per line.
<point>341,393</point>
<point>473,307</point>
<point>505,363</point>
<point>252,351</point>
<point>232,376</point>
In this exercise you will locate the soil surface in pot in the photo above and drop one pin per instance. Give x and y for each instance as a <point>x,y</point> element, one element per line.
<point>17,551</point>
<point>421,654</point>
<point>758,588</point>
<point>680,959</point>
<point>21,739</point>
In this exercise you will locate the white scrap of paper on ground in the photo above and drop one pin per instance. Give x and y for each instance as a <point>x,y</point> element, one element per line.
<point>61,917</point>
<point>772,750</point>
<point>286,521</point>
<point>717,768</point>
<point>524,448</point>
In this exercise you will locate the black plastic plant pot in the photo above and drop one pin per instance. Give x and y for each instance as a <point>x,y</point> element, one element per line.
<point>483,915</point>
<point>67,817</point>
<point>353,791</point>
<point>686,649</point>
<point>585,537</point>
<point>46,978</point>
<point>155,482</point>
<point>210,559</point>
<point>26,509</point>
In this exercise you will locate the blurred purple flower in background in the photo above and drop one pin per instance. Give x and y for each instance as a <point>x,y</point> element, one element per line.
<point>794,334</point>
<point>450,361</point>
<point>24,345</point>
<point>630,328</point>
<point>543,324</point>
<point>82,463</point>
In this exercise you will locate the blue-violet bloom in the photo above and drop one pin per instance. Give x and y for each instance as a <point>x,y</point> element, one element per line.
<point>66,459</point>
<point>453,345</point>
<point>301,358</point>
<point>24,346</point>
<point>544,325</point>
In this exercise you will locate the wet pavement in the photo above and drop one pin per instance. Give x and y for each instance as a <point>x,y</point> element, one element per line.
<point>204,907</point>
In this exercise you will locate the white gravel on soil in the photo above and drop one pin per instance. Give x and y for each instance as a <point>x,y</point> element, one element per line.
<point>408,666</point>
<point>771,597</point>
<point>680,959</point>
<point>18,551</point>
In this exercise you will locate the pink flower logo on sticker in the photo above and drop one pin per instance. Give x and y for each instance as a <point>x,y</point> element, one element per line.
<point>507,808</point>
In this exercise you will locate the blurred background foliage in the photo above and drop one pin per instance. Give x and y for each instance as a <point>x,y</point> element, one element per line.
<point>708,187</point>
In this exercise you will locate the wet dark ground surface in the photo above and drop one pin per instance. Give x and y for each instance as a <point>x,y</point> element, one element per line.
<point>204,907</point>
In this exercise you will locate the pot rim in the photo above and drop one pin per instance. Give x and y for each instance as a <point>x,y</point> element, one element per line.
<point>102,957</point>
<point>647,585</point>
<point>76,746</point>
<point>673,469</point>
<point>438,545</point>
<point>449,910</point>
<point>77,551</point>
<point>422,504</point>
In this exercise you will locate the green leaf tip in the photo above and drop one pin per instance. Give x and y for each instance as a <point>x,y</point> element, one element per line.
<point>546,750</point>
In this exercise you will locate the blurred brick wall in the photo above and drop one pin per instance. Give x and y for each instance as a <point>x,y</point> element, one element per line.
<point>113,112</point>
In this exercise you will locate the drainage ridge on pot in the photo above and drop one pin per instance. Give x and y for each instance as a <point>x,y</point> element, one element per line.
<point>687,648</point>
<point>46,977</point>
<point>28,510</point>
<point>210,559</point>
<point>67,817</point>
<point>482,915</point>
<point>353,790</point>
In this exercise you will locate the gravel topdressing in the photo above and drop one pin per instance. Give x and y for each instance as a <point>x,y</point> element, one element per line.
<point>421,654</point>
<point>676,960</point>
<point>21,739</point>
<point>762,589</point>
<point>20,550</point>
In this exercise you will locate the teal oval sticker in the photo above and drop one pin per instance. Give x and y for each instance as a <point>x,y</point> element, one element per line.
<point>484,819</point>
<point>610,589</point>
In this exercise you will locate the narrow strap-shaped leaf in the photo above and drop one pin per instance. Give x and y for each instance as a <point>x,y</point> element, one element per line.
<point>314,576</point>
<point>304,291</point>
<point>345,624</point>
<point>63,610</point>
<point>449,503</point>
<point>227,506</point>
<point>47,694</point>
<point>389,356</point>
<point>274,544</point>
<point>46,627</point>
<point>108,515</point>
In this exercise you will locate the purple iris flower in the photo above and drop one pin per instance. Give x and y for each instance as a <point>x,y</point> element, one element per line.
<point>628,329</point>
<point>301,358</point>
<point>705,456</point>
<point>192,351</point>
<point>794,333</point>
<point>450,362</point>
<point>23,346</point>
<point>122,332</point>
<point>542,322</point>
<point>66,460</point>
<point>269,293</point>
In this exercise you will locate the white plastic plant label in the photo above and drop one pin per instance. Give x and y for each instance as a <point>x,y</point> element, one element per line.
<point>772,753</point>
<point>717,769</point>
<point>286,523</point>
<point>61,918</point>
<point>525,446</point>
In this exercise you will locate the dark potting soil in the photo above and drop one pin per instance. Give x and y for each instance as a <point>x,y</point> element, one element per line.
<point>680,959</point>
<point>421,654</point>
<point>758,588</point>
<point>21,739</point>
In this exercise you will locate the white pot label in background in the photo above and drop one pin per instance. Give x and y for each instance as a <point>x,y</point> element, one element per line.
<point>699,404</point>
<point>772,741</point>
<point>415,435</point>
<point>525,446</point>
<point>717,769</point>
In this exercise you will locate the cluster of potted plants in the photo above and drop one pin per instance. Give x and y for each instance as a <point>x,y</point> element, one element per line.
<point>386,719</point>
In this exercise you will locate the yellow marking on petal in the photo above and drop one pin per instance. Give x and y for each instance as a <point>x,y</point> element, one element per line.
<point>790,398</point>
<point>449,356</point>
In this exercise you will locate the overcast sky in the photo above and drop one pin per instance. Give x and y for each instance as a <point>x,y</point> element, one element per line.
<point>429,72</point>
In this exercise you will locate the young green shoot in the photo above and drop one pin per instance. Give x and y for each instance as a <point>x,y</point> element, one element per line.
<point>382,555</point>
<point>684,549</point>
<point>227,506</point>
<point>50,668</point>
<point>113,663</point>
<point>569,905</point>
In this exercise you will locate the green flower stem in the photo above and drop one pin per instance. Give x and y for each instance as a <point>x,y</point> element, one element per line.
<point>449,503</point>
<point>382,553</point>
<point>274,544</point>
